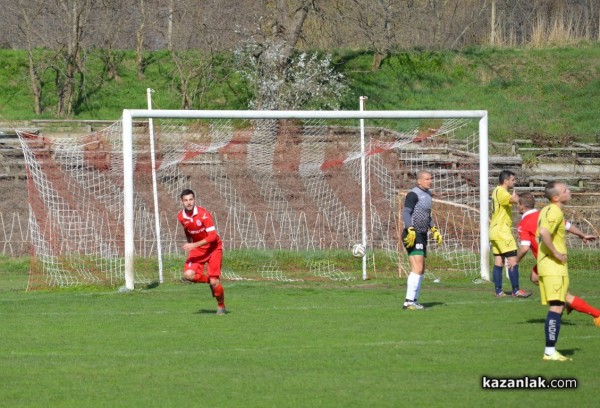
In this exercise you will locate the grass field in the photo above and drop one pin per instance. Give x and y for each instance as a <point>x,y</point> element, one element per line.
<point>312,344</point>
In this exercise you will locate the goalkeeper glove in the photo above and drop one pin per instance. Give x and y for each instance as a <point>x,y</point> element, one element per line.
<point>436,234</point>
<point>411,235</point>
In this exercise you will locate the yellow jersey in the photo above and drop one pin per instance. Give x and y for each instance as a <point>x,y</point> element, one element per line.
<point>553,220</point>
<point>501,221</point>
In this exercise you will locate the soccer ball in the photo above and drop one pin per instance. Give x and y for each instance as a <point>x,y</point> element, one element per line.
<point>358,251</point>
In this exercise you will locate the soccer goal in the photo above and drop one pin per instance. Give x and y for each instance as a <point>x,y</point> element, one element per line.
<point>291,193</point>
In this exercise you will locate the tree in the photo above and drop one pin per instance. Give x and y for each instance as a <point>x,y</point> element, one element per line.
<point>111,21</point>
<point>197,65</point>
<point>375,21</point>
<point>69,66</point>
<point>265,56</point>
<point>493,24</point>
<point>27,17</point>
<point>306,81</point>
<point>287,25</point>
<point>59,26</point>
<point>139,39</point>
<point>147,19</point>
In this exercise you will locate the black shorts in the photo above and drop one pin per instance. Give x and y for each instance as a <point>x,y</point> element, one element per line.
<point>508,254</point>
<point>420,247</point>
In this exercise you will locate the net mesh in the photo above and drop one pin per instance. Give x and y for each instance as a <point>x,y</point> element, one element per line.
<point>285,195</point>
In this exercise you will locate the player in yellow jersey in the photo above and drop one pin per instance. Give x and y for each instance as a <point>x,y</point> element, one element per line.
<point>552,264</point>
<point>504,246</point>
<point>527,228</point>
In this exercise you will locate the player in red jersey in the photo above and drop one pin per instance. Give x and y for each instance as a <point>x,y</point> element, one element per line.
<point>204,247</point>
<point>527,228</point>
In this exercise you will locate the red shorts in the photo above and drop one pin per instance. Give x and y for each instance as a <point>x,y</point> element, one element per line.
<point>213,259</point>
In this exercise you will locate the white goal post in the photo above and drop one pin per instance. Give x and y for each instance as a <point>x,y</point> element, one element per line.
<point>128,159</point>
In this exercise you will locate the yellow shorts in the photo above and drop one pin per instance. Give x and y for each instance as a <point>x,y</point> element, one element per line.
<point>503,246</point>
<point>553,288</point>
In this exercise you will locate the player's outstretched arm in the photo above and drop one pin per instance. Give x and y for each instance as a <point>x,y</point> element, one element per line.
<point>577,232</point>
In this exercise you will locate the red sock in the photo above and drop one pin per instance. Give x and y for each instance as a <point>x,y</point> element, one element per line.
<point>583,307</point>
<point>200,278</point>
<point>219,294</point>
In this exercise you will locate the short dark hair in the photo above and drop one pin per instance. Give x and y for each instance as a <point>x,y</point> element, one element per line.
<point>187,191</point>
<point>550,190</point>
<point>527,200</point>
<point>505,175</point>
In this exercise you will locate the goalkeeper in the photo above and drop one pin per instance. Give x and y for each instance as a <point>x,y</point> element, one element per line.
<point>416,216</point>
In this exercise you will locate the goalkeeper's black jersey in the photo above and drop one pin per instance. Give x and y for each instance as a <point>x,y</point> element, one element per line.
<point>417,209</point>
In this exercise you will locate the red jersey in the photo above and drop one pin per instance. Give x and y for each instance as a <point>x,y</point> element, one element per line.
<point>198,227</point>
<point>527,229</point>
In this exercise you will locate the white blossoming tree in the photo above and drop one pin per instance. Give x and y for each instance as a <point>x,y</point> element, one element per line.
<point>307,81</point>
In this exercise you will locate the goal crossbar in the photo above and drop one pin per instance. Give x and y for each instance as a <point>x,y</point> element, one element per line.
<point>128,180</point>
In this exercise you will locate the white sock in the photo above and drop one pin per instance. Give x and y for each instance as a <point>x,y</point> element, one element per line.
<point>549,351</point>
<point>412,284</point>
<point>419,287</point>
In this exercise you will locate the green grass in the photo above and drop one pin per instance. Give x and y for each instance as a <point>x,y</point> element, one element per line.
<point>13,273</point>
<point>549,95</point>
<point>545,94</point>
<point>315,344</point>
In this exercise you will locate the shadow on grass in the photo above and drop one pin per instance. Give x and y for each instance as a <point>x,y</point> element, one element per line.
<point>209,311</point>
<point>152,285</point>
<point>433,304</point>
<point>542,321</point>
<point>569,352</point>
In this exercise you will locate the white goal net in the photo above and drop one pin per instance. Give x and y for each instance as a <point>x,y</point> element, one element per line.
<point>284,189</point>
